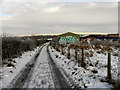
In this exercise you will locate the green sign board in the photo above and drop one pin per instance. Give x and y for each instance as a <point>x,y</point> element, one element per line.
<point>69,39</point>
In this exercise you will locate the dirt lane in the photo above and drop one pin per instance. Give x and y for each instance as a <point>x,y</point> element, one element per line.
<point>19,83</point>
<point>26,74</point>
<point>42,76</point>
<point>59,80</point>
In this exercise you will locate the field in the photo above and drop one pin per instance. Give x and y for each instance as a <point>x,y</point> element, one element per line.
<point>91,63</point>
<point>88,62</point>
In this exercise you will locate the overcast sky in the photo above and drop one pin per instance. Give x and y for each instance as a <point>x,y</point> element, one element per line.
<point>27,18</point>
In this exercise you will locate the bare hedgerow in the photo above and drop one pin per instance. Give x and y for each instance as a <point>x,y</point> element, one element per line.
<point>12,47</point>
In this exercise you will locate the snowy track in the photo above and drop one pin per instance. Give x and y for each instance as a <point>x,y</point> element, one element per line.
<point>59,80</point>
<point>21,78</point>
<point>61,77</point>
<point>46,74</point>
<point>40,72</point>
<point>41,76</point>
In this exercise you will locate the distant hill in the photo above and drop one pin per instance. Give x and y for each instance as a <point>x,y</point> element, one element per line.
<point>69,34</point>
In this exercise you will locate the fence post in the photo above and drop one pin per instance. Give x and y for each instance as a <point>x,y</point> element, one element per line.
<point>62,49</point>
<point>58,49</point>
<point>76,53</point>
<point>109,65</point>
<point>54,46</point>
<point>118,81</point>
<point>83,57</point>
<point>68,53</point>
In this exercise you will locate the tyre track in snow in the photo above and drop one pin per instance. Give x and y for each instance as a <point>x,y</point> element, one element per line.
<point>67,80</point>
<point>20,79</point>
<point>42,77</point>
<point>59,80</point>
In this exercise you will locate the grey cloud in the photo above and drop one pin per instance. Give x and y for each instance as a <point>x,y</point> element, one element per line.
<point>81,17</point>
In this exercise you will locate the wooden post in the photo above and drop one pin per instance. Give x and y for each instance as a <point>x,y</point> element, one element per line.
<point>109,65</point>
<point>118,82</point>
<point>68,53</point>
<point>78,61</point>
<point>82,57</point>
<point>56,47</point>
<point>62,49</point>
<point>76,53</point>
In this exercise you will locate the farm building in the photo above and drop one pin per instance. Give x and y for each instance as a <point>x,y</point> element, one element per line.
<point>95,36</point>
<point>69,38</point>
<point>113,35</point>
<point>109,36</point>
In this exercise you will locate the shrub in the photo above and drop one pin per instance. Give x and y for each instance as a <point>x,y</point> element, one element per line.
<point>13,47</point>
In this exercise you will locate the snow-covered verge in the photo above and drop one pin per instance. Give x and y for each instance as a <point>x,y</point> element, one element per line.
<point>41,76</point>
<point>86,77</point>
<point>9,73</point>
